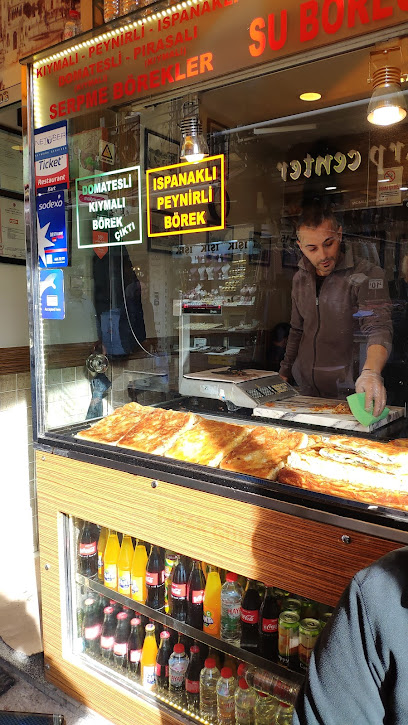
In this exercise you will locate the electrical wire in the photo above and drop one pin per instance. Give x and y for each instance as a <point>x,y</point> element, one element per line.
<point>126,307</point>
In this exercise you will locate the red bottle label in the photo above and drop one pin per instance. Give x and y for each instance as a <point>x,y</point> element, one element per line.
<point>192,686</point>
<point>269,625</point>
<point>179,591</point>
<point>120,649</point>
<point>198,596</point>
<point>93,632</point>
<point>88,549</point>
<point>152,578</point>
<point>135,655</point>
<point>250,616</point>
<point>107,642</point>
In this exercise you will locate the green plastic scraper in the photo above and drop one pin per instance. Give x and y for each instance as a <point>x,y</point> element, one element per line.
<point>356,403</point>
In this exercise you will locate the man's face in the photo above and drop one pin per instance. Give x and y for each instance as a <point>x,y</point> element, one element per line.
<point>321,246</point>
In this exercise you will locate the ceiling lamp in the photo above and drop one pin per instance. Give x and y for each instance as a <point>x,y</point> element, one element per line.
<point>387,104</point>
<point>194,147</point>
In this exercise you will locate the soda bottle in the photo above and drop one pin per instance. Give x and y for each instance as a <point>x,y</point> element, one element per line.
<point>120,654</point>
<point>116,607</point>
<point>108,634</point>
<point>244,703</point>
<point>251,604</point>
<point>103,537</point>
<point>265,709</point>
<point>269,683</point>
<point>170,562</point>
<point>110,564</point>
<point>124,565</point>
<point>195,604</point>
<point>284,714</point>
<point>88,551</point>
<point>134,647</point>
<point>178,606</point>
<point>148,661</point>
<point>209,676</point>
<point>226,687</point>
<point>162,662</point>
<point>178,663</point>
<point>192,681</point>
<point>268,626</point>
<point>231,600</point>
<point>212,604</point>
<point>155,579</point>
<point>138,574</point>
<point>91,628</point>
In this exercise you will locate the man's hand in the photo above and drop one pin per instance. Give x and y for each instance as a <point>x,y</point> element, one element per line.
<point>371,383</point>
<point>285,378</point>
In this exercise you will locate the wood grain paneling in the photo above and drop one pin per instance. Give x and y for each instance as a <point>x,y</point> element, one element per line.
<point>14,360</point>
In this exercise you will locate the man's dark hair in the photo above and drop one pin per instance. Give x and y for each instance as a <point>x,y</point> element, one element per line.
<point>315,213</point>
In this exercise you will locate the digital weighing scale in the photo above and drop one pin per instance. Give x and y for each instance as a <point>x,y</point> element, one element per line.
<point>243,388</point>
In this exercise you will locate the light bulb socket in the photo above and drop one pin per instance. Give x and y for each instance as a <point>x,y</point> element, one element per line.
<point>383,77</point>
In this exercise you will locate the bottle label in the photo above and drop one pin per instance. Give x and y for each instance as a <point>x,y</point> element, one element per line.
<point>100,560</point>
<point>250,616</point>
<point>124,583</point>
<point>149,677</point>
<point>192,686</point>
<point>162,670</point>
<point>234,611</point>
<point>176,677</point>
<point>137,588</point>
<point>88,549</point>
<point>152,578</point>
<point>120,649</point>
<point>208,620</point>
<point>179,591</point>
<point>269,625</point>
<point>107,642</point>
<point>110,576</point>
<point>197,597</point>
<point>135,655</point>
<point>227,705</point>
<point>92,632</point>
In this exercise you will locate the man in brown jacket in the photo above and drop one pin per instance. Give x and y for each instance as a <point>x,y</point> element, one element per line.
<point>334,296</point>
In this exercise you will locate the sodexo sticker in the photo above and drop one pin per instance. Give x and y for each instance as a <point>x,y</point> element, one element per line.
<point>51,230</point>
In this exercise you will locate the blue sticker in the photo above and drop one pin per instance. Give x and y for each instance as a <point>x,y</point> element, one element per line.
<point>52,294</point>
<point>51,230</point>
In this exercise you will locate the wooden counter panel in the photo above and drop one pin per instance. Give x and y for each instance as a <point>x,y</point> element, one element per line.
<point>279,549</point>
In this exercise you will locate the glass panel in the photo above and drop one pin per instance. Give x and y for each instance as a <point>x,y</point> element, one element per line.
<point>136,604</point>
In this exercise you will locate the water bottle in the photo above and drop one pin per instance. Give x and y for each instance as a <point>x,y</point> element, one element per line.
<point>178,664</point>
<point>244,703</point>
<point>231,600</point>
<point>265,709</point>
<point>209,676</point>
<point>226,687</point>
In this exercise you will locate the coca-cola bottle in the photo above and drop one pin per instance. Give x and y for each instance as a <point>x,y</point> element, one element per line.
<point>91,628</point>
<point>88,551</point>
<point>108,634</point>
<point>196,587</point>
<point>121,639</point>
<point>162,661</point>
<point>135,646</point>
<point>155,579</point>
<point>251,604</point>
<point>192,682</point>
<point>268,626</point>
<point>179,591</point>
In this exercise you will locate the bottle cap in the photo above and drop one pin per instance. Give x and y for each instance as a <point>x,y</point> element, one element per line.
<point>135,621</point>
<point>108,610</point>
<point>226,673</point>
<point>243,683</point>
<point>121,615</point>
<point>89,602</point>
<point>261,694</point>
<point>210,663</point>
<point>73,14</point>
<point>149,627</point>
<point>231,576</point>
<point>164,634</point>
<point>178,648</point>
<point>194,649</point>
<point>241,670</point>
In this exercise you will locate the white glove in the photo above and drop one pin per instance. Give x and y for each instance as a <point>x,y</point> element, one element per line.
<point>371,383</point>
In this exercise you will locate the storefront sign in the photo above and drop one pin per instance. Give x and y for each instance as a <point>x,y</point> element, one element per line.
<point>52,294</point>
<point>178,47</point>
<point>51,230</point>
<point>109,203</point>
<point>325,165</point>
<point>51,157</point>
<point>178,197</point>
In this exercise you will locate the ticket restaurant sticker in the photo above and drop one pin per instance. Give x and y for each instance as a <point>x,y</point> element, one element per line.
<point>51,157</point>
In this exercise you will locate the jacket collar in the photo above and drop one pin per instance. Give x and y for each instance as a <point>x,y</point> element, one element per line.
<point>345,261</point>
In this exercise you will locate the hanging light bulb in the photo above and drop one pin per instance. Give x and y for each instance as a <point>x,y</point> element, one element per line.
<point>194,147</point>
<point>387,104</point>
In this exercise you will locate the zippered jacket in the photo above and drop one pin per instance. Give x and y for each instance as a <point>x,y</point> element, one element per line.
<point>328,330</point>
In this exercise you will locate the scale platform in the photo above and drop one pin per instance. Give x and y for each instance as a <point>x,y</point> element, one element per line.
<point>322,412</point>
<point>243,388</point>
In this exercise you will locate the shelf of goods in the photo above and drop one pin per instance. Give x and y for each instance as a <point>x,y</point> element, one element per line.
<point>249,530</point>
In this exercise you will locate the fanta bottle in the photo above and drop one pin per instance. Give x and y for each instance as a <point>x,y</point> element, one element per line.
<point>124,565</point>
<point>148,661</point>
<point>138,574</point>
<point>212,604</point>
<point>103,537</point>
<point>110,564</point>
